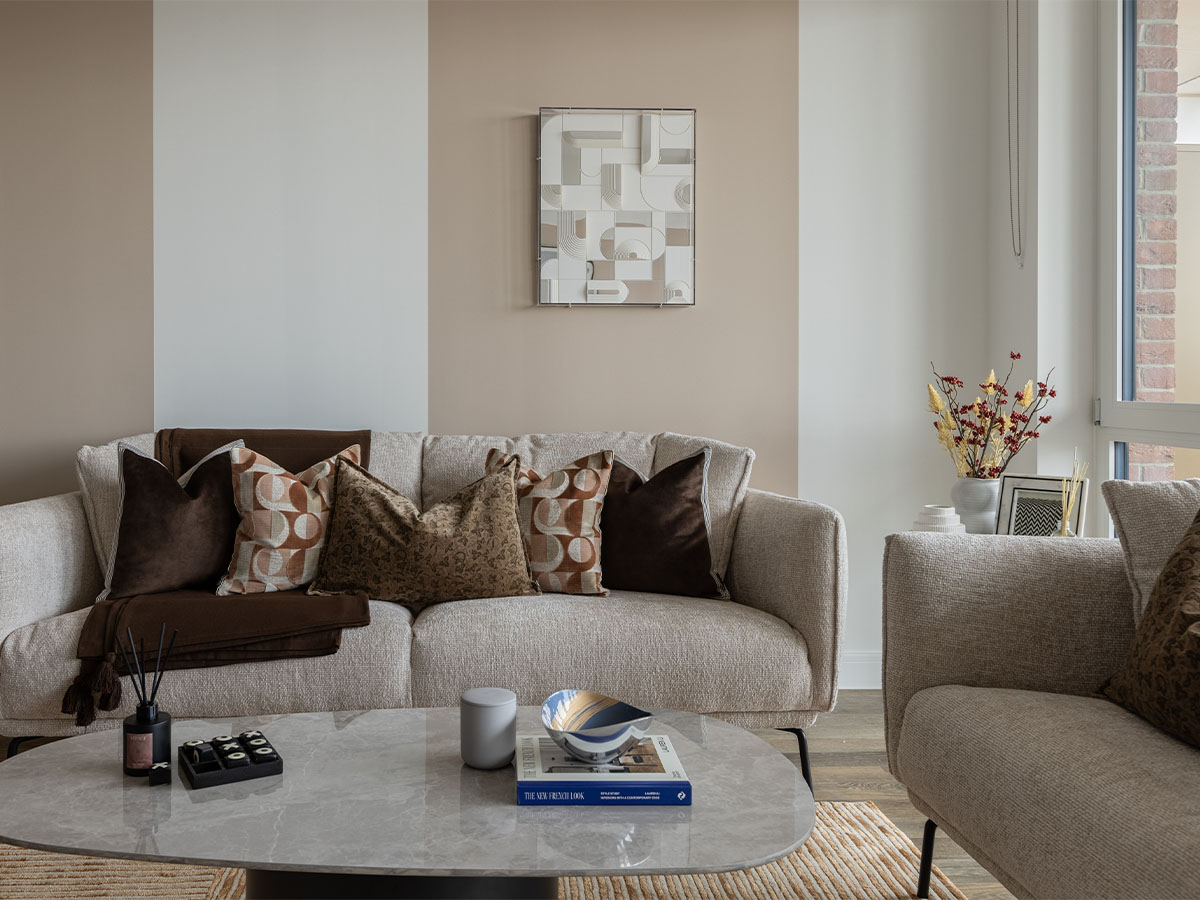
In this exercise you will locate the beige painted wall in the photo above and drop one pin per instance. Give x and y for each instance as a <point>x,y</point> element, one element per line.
<point>76,255</point>
<point>726,368</point>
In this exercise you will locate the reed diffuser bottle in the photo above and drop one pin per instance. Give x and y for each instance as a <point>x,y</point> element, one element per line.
<point>146,736</point>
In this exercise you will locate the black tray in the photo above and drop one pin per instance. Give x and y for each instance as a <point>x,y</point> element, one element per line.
<point>215,772</point>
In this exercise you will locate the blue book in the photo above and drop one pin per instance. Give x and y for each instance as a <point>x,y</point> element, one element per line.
<point>649,774</point>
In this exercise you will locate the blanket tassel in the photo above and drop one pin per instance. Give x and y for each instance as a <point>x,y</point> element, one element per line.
<point>107,683</point>
<point>78,700</point>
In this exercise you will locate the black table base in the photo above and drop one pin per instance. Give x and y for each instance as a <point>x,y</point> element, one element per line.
<point>265,884</point>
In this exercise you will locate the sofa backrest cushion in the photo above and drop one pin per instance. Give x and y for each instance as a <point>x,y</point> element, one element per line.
<point>728,480</point>
<point>98,473</point>
<point>396,461</point>
<point>1150,519</point>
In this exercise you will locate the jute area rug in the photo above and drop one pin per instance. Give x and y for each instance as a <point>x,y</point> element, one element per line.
<point>855,851</point>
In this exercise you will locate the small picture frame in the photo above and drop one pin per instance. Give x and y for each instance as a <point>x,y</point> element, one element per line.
<point>1032,505</point>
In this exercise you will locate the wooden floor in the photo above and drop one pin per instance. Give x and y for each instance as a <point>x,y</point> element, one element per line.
<point>849,763</point>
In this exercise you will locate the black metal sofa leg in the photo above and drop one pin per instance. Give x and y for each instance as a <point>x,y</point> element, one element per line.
<point>926,859</point>
<point>805,770</point>
<point>14,743</point>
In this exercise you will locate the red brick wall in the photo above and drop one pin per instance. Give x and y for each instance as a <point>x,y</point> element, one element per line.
<point>1154,340</point>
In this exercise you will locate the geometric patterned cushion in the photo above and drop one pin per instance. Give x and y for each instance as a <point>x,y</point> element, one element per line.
<point>284,521</point>
<point>560,520</point>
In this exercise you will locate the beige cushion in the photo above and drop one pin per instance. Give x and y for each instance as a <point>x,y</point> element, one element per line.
<point>370,671</point>
<point>396,460</point>
<point>651,650</point>
<point>1150,519</point>
<point>547,452</point>
<point>100,489</point>
<point>1071,796</point>
<point>452,461</point>
<point>728,481</point>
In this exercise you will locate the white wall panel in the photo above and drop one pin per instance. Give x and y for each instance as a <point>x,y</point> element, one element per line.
<point>893,266</point>
<point>291,213</point>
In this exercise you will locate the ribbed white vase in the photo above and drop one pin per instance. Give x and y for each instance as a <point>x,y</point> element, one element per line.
<point>975,500</point>
<point>938,518</point>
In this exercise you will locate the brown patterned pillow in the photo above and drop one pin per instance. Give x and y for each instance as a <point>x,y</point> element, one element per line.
<point>1160,680</point>
<point>284,518</point>
<point>560,519</point>
<point>469,545</point>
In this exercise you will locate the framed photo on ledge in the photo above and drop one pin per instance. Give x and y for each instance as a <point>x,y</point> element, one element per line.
<point>1032,505</point>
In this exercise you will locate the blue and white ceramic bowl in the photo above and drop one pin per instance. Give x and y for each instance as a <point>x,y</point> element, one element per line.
<point>592,727</point>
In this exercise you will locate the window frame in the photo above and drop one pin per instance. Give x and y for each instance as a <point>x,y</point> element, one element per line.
<point>1120,420</point>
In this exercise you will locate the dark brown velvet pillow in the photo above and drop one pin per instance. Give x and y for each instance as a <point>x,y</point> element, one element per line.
<point>468,545</point>
<point>171,534</point>
<point>295,449</point>
<point>656,531</point>
<point>1160,680</point>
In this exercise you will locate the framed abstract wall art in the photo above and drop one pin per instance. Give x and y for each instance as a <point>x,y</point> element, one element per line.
<point>616,207</point>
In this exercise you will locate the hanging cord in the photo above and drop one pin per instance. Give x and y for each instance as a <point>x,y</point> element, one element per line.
<point>1013,49</point>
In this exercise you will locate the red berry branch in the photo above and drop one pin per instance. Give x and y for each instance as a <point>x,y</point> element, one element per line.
<point>984,435</point>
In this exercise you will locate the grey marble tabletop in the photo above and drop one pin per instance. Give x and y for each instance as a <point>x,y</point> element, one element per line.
<point>385,792</point>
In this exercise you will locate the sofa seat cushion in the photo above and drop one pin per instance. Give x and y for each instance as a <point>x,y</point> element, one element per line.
<point>371,670</point>
<point>651,650</point>
<point>1071,796</point>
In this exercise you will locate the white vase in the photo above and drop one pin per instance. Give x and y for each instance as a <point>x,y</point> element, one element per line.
<point>975,500</point>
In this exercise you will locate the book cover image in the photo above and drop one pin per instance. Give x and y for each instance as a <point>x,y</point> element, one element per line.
<point>648,774</point>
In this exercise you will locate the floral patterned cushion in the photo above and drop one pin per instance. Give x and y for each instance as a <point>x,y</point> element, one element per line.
<point>467,546</point>
<point>1160,680</point>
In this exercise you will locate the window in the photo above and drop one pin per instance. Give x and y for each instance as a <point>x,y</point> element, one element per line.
<point>1149,408</point>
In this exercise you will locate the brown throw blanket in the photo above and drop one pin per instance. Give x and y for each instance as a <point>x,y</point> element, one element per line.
<point>213,631</point>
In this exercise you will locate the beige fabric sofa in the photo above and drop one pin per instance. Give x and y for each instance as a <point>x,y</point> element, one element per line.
<point>993,650</point>
<point>766,658</point>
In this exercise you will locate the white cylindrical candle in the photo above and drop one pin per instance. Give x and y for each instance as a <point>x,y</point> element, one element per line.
<point>488,727</point>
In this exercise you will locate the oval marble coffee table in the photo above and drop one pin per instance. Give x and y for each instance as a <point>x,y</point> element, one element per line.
<point>379,804</point>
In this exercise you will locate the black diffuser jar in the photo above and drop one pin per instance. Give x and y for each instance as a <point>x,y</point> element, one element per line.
<point>146,737</point>
<point>146,740</point>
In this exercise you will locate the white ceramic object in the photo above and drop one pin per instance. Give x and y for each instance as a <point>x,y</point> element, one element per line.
<point>976,500</point>
<point>943,519</point>
<point>488,727</point>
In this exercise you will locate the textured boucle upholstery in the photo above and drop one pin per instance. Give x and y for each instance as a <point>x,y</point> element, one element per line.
<point>1150,518</point>
<point>371,670</point>
<point>47,562</point>
<point>1042,614</point>
<point>789,559</point>
<point>396,460</point>
<point>1076,796</point>
<point>648,649</point>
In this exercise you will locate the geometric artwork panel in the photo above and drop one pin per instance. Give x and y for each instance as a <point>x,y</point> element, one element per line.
<point>616,207</point>
<point>1036,513</point>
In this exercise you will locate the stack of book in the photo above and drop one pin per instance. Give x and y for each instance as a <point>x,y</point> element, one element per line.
<point>650,774</point>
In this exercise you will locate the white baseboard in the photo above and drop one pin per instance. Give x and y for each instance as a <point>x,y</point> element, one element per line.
<point>861,670</point>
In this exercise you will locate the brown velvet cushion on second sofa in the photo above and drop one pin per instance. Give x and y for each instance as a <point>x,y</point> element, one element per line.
<point>467,546</point>
<point>656,532</point>
<point>170,534</point>
<point>1160,680</point>
<point>294,449</point>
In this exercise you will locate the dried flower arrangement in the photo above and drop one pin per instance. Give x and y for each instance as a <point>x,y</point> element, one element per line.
<point>983,436</point>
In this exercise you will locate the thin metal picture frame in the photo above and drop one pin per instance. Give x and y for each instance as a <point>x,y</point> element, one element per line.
<point>537,216</point>
<point>1044,488</point>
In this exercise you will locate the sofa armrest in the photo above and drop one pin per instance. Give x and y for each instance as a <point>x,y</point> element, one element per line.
<point>47,564</point>
<point>1038,614</point>
<point>789,559</point>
